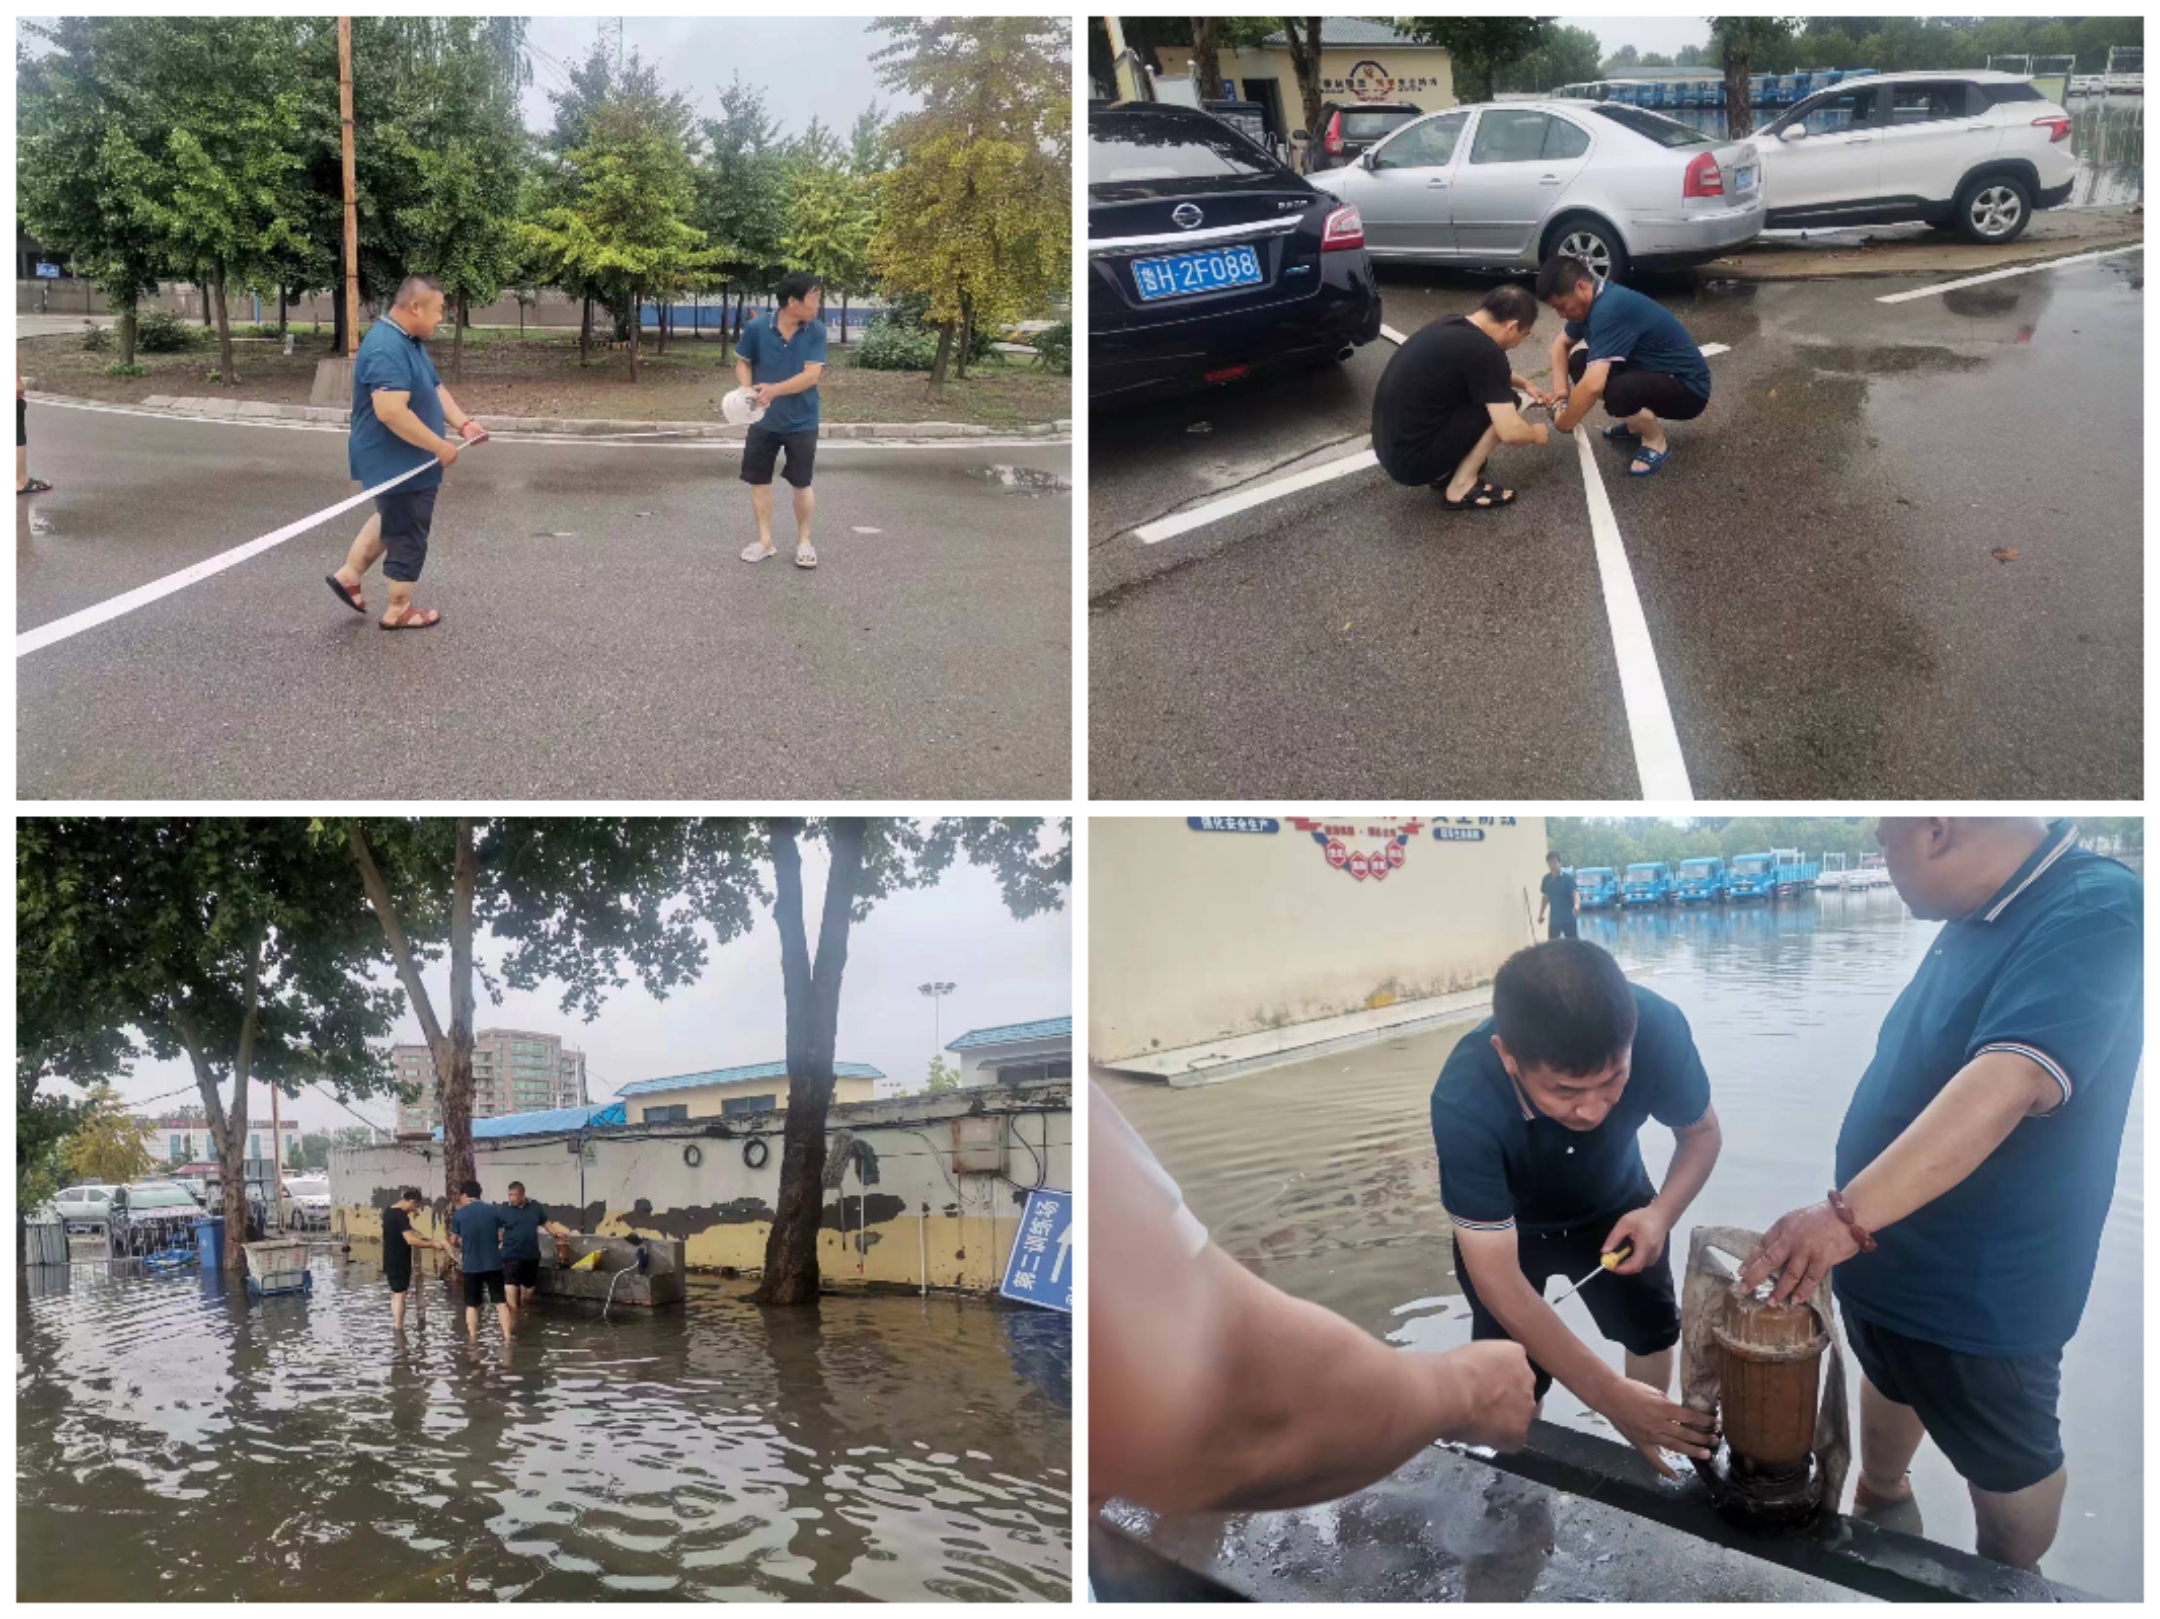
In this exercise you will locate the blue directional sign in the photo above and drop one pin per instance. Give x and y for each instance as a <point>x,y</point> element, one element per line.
<point>1040,1268</point>
<point>48,272</point>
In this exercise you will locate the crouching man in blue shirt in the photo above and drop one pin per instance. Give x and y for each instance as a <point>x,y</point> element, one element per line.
<point>1629,351</point>
<point>1976,1164</point>
<point>1535,1116</point>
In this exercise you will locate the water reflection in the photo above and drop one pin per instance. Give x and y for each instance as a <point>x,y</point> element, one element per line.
<point>877,1447</point>
<point>2107,138</point>
<point>1321,1176</point>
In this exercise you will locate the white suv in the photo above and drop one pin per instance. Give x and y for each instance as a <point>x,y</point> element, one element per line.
<point>1972,152</point>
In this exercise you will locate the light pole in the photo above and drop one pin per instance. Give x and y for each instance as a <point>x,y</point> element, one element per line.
<point>937,993</point>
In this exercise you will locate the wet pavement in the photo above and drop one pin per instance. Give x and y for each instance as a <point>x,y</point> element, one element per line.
<point>1900,555</point>
<point>600,638</point>
<point>1785,1003</point>
<point>176,1442</point>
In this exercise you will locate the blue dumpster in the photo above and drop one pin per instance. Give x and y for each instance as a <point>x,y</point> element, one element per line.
<point>210,1242</point>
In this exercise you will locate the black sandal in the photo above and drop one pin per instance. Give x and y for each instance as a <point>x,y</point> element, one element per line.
<point>351,598</point>
<point>1471,503</point>
<point>36,486</point>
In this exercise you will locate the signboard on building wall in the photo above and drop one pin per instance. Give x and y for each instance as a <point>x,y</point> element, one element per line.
<point>48,272</point>
<point>1039,1269</point>
<point>1370,80</point>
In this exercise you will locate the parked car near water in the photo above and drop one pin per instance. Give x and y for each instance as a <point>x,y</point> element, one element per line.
<point>149,1216</point>
<point>305,1205</point>
<point>1208,260</point>
<point>1508,185</point>
<point>1974,152</point>
<point>84,1207</point>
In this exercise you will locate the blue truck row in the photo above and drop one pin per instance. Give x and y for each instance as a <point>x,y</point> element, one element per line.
<point>1705,880</point>
<point>1764,89</point>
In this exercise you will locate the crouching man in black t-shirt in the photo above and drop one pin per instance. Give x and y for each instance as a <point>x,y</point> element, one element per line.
<point>1448,399</point>
<point>399,1240</point>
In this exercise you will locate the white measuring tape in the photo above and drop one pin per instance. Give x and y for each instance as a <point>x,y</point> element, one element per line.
<point>60,629</point>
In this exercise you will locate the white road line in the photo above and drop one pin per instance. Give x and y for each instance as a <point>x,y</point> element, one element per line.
<point>1998,275</point>
<point>1709,349</point>
<point>1659,768</point>
<point>60,629</point>
<point>1259,495</point>
<point>1393,336</point>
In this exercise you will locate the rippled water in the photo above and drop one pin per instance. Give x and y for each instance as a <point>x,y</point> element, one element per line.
<point>176,1441</point>
<point>1322,1178</point>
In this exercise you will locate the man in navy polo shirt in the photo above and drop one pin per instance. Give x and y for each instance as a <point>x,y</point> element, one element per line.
<point>1977,1161</point>
<point>1535,1116</point>
<point>781,356</point>
<point>1634,355</point>
<point>400,408</point>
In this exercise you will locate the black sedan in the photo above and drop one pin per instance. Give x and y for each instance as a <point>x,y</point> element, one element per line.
<point>1208,261</point>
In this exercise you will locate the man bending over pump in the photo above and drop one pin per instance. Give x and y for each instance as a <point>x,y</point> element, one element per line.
<point>1627,350</point>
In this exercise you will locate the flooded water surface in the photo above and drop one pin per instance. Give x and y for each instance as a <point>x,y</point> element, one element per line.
<point>1321,1177</point>
<point>175,1440</point>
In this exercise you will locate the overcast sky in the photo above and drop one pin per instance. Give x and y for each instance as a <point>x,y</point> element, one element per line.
<point>959,931</point>
<point>1660,35</point>
<point>807,66</point>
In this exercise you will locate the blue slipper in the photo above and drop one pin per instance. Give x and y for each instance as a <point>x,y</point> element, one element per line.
<point>1621,433</point>
<point>1651,459</point>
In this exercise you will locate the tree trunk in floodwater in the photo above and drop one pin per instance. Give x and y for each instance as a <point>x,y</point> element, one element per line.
<point>457,1086</point>
<point>226,372</point>
<point>813,1016</point>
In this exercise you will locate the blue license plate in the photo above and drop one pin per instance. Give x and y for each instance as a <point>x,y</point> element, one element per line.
<point>1184,274</point>
<point>1744,178</point>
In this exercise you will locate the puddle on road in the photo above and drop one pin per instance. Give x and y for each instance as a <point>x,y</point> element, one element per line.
<point>175,1441</point>
<point>1033,482</point>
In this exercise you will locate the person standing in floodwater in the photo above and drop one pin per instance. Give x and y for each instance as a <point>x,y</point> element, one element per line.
<point>399,1241</point>
<point>523,1221</point>
<point>1557,892</point>
<point>476,1230</point>
<point>1976,1165</point>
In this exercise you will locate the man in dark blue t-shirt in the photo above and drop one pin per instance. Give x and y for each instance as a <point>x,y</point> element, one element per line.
<point>780,358</point>
<point>399,411</point>
<point>1977,1161</point>
<point>476,1231</point>
<point>1535,1116</point>
<point>522,1222</point>
<point>1627,350</point>
<point>1556,893</point>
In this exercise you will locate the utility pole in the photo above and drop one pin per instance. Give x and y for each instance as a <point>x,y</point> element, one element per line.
<point>352,190</point>
<point>936,993</point>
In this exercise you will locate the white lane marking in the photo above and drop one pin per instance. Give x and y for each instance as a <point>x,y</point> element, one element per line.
<point>1660,770</point>
<point>1393,336</point>
<point>1998,275</point>
<point>1259,495</point>
<point>601,440</point>
<point>859,529</point>
<point>60,629</point>
<point>1709,349</point>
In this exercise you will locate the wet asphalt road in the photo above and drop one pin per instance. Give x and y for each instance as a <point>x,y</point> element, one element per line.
<point>600,638</point>
<point>1816,566</point>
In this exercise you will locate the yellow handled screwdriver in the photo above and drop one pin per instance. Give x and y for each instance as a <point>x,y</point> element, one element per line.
<point>1610,1261</point>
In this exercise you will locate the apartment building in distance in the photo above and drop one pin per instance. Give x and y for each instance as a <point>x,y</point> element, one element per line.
<point>514,1071</point>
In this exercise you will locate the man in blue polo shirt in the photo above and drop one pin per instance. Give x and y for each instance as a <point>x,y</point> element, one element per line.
<point>1535,1116</point>
<point>780,358</point>
<point>1633,354</point>
<point>399,411</point>
<point>1977,1161</point>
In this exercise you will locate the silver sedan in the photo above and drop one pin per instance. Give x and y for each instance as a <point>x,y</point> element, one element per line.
<point>1510,184</point>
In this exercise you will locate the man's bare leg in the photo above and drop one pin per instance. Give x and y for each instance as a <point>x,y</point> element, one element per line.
<point>1465,477</point>
<point>1890,1436</point>
<point>367,547</point>
<point>22,468</point>
<point>805,507</point>
<point>1655,1370</point>
<point>502,1314</point>
<point>2018,1528</point>
<point>761,505</point>
<point>1644,425</point>
<point>397,1312</point>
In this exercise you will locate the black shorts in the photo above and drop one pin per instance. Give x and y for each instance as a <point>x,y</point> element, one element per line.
<point>400,1282</point>
<point>522,1272</point>
<point>1639,1312</point>
<point>1992,1415</point>
<point>1561,927</point>
<point>479,1282</point>
<point>1436,462</point>
<point>407,515</point>
<point>1629,388</point>
<point>761,449</point>
<point>22,423</point>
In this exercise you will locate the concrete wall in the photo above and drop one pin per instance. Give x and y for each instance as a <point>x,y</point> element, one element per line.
<point>1198,935</point>
<point>979,1064</point>
<point>632,1178</point>
<point>704,1101</point>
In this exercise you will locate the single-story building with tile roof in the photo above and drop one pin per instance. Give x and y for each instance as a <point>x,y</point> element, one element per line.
<point>1360,60</point>
<point>754,1088</point>
<point>1013,1053</point>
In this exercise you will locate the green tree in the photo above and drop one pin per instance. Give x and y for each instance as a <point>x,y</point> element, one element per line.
<point>1620,61</point>
<point>977,215</point>
<point>1568,56</point>
<point>312,1150</point>
<point>1738,42</point>
<point>943,1075</point>
<point>627,227</point>
<point>76,164</point>
<point>831,216</point>
<point>741,195</point>
<point>237,942</point>
<point>868,860</point>
<point>1478,45</point>
<point>107,1143</point>
<point>216,182</point>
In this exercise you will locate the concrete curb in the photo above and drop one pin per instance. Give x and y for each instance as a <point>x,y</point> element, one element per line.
<point>1772,262</point>
<point>597,427</point>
